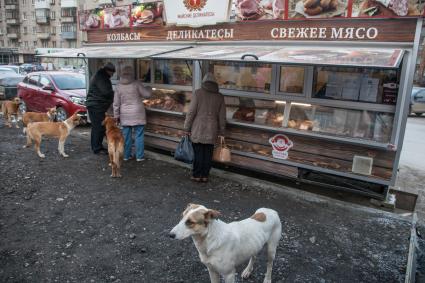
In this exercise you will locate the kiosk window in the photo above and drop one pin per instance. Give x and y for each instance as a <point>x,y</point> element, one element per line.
<point>255,111</point>
<point>291,80</point>
<point>173,72</point>
<point>250,77</point>
<point>360,124</point>
<point>357,84</point>
<point>144,70</point>
<point>169,100</point>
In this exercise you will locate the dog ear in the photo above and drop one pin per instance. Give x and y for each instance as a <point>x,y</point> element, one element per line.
<point>211,214</point>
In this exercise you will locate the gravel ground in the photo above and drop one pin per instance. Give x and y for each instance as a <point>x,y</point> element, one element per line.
<point>66,220</point>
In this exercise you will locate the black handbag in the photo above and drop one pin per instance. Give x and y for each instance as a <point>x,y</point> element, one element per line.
<point>184,151</point>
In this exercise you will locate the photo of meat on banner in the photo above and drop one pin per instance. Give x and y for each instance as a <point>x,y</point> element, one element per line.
<point>247,10</point>
<point>387,8</point>
<point>317,8</point>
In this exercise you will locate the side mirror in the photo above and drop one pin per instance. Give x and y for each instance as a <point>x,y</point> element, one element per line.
<point>48,87</point>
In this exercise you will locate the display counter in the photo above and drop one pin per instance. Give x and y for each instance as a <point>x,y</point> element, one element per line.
<point>324,105</point>
<point>331,114</point>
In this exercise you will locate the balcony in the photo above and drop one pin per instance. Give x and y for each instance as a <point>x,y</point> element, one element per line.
<point>13,35</point>
<point>11,7</point>
<point>42,4</point>
<point>12,21</point>
<point>69,3</point>
<point>43,35</point>
<point>42,20</point>
<point>69,35</point>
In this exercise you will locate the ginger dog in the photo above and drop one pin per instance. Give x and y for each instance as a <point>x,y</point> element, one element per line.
<point>224,246</point>
<point>60,130</point>
<point>115,145</point>
<point>31,117</point>
<point>11,108</point>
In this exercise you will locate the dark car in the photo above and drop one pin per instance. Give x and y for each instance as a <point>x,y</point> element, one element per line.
<point>9,85</point>
<point>417,101</point>
<point>29,68</point>
<point>43,90</point>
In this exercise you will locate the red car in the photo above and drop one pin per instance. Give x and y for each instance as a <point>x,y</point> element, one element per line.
<point>65,90</point>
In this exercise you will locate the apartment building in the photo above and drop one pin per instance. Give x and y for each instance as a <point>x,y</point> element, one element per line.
<point>29,24</point>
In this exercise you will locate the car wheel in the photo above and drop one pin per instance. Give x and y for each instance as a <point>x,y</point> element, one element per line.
<point>22,107</point>
<point>61,114</point>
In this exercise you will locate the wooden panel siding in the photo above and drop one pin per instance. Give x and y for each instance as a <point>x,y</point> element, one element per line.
<point>306,150</point>
<point>388,30</point>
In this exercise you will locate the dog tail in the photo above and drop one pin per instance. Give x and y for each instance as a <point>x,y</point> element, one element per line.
<point>118,153</point>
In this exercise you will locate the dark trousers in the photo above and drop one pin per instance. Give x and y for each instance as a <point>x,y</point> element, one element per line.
<point>97,130</point>
<point>203,159</point>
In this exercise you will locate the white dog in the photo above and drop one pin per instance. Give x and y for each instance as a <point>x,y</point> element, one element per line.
<point>222,247</point>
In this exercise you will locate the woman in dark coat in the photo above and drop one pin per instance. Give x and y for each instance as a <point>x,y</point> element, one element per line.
<point>205,121</point>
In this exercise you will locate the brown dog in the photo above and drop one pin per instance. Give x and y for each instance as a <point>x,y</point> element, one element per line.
<point>115,145</point>
<point>31,117</point>
<point>61,130</point>
<point>11,108</point>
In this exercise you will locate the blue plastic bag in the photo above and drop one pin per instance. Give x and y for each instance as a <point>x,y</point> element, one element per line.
<point>184,151</point>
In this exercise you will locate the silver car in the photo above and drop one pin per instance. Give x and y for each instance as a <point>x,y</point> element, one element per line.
<point>417,102</point>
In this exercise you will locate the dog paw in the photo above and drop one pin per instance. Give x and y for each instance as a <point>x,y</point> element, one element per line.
<point>65,155</point>
<point>266,280</point>
<point>42,156</point>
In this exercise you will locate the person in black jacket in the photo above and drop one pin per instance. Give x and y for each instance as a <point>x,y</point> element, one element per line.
<point>99,99</point>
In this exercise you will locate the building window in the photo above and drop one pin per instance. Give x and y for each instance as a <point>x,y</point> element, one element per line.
<point>69,12</point>
<point>32,2</point>
<point>24,16</point>
<point>35,43</point>
<point>45,43</point>
<point>33,15</point>
<point>34,30</point>
<point>26,44</point>
<point>25,30</point>
<point>53,30</point>
<point>54,44</point>
<point>68,28</point>
<point>52,2</point>
<point>53,15</point>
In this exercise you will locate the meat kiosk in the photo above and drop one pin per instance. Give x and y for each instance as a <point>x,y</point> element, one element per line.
<point>318,96</point>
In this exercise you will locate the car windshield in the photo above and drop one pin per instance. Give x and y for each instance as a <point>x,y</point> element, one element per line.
<point>68,81</point>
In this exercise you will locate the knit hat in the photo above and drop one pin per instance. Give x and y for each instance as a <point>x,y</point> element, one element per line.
<point>209,77</point>
<point>109,67</point>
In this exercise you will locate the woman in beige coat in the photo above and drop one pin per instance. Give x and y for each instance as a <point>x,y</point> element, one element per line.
<point>130,111</point>
<point>205,120</point>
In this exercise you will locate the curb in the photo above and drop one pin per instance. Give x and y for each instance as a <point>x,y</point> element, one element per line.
<point>412,257</point>
<point>277,188</point>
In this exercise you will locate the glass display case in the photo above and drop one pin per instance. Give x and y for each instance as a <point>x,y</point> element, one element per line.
<point>173,72</point>
<point>360,124</point>
<point>250,77</point>
<point>255,111</point>
<point>292,80</point>
<point>357,84</point>
<point>169,100</point>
